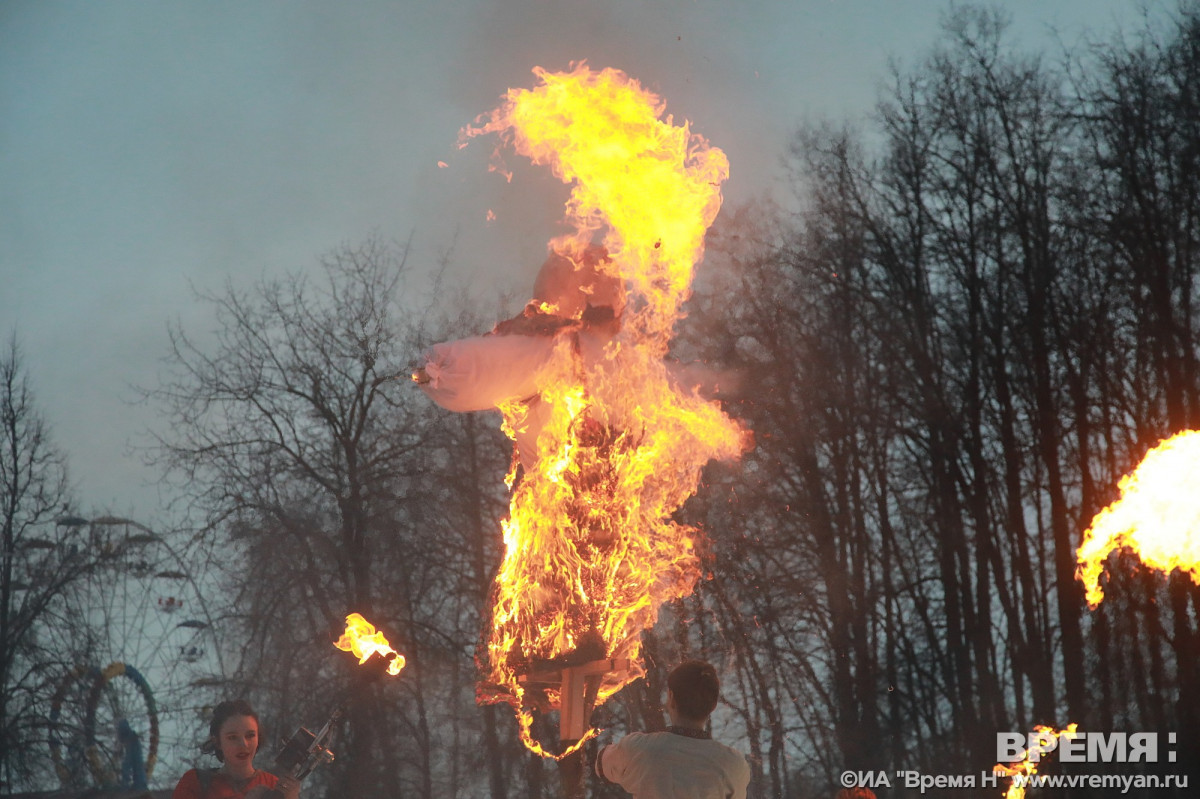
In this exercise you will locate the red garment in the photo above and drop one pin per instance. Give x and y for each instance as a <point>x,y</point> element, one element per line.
<point>221,788</point>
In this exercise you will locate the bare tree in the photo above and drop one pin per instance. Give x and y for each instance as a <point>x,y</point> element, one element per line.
<point>956,348</point>
<point>42,554</point>
<point>1137,100</point>
<point>288,441</point>
<point>328,484</point>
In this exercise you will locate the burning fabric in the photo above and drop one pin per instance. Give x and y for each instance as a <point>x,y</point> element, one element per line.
<point>1157,516</point>
<point>611,446</point>
<point>573,300</point>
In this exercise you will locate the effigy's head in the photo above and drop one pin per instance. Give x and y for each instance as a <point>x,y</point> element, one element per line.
<point>573,282</point>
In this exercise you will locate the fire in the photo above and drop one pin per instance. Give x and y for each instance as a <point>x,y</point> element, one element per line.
<point>591,552</point>
<point>1048,742</point>
<point>361,639</point>
<point>1157,516</point>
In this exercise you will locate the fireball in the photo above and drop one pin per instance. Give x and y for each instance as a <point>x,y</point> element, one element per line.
<point>1157,517</point>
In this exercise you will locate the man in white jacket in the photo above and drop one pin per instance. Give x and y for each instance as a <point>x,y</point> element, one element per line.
<point>683,762</point>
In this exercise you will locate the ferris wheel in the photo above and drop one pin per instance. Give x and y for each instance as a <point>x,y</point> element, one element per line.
<point>153,663</point>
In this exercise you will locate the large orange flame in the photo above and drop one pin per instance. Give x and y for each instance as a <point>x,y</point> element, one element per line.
<point>591,552</point>
<point>1027,766</point>
<point>1157,516</point>
<point>363,641</point>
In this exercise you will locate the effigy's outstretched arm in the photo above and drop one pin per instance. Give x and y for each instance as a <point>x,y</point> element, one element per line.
<point>482,372</point>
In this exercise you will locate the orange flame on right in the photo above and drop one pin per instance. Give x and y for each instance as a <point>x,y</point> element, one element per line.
<point>1157,516</point>
<point>1027,767</point>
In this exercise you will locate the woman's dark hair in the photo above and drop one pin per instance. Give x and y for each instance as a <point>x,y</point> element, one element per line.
<point>221,714</point>
<point>696,689</point>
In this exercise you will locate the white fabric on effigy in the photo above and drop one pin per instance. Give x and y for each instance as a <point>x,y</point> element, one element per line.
<point>481,372</point>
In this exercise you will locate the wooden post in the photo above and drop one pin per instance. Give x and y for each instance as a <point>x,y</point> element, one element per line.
<point>578,687</point>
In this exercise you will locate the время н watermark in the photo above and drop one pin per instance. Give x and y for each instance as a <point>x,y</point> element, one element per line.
<point>1024,752</point>
<point>915,780</point>
<point>1084,747</point>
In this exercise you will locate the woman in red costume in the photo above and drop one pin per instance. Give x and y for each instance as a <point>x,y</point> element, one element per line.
<point>234,739</point>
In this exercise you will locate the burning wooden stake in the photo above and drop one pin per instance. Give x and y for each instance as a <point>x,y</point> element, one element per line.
<point>577,687</point>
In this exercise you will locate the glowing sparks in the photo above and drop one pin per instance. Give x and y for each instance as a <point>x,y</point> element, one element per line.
<point>591,552</point>
<point>1157,516</point>
<point>1043,741</point>
<point>362,640</point>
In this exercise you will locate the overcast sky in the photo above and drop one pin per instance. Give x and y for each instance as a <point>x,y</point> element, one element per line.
<point>146,147</point>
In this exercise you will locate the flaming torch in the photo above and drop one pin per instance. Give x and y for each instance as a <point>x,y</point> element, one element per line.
<point>1044,740</point>
<point>305,750</point>
<point>362,640</point>
<point>1157,516</point>
<point>612,443</point>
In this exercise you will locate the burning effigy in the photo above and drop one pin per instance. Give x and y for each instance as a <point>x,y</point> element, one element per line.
<point>1157,516</point>
<point>609,443</point>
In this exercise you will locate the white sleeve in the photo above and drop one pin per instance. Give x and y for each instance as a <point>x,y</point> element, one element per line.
<point>740,779</point>
<point>476,374</point>
<point>614,760</point>
<point>599,767</point>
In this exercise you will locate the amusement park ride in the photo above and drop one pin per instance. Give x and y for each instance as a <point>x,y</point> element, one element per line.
<point>151,656</point>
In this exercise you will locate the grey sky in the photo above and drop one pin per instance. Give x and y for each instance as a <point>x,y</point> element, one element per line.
<point>148,145</point>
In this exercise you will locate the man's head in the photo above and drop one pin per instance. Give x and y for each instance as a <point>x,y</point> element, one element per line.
<point>694,688</point>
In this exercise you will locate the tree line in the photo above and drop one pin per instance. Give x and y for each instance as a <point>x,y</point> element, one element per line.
<point>981,317</point>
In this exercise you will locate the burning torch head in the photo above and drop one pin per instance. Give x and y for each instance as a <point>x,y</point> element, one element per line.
<point>376,665</point>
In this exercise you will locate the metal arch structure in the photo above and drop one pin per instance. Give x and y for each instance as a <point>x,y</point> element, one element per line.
<point>147,619</point>
<point>107,703</point>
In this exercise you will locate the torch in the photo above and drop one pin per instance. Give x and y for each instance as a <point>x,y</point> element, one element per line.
<point>304,751</point>
<point>1042,741</point>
